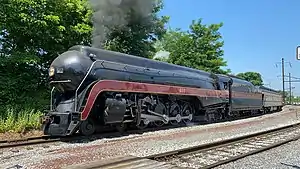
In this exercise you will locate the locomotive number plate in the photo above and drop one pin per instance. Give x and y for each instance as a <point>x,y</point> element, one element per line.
<point>182,90</point>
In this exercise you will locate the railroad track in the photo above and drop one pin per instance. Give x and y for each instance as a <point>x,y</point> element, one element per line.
<point>27,141</point>
<point>222,152</point>
<point>11,143</point>
<point>48,139</point>
<point>204,156</point>
<point>107,134</point>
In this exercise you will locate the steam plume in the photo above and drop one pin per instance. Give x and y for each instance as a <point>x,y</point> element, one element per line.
<point>115,14</point>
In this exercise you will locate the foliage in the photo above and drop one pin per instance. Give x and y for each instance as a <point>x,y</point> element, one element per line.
<point>296,99</point>
<point>286,93</point>
<point>44,28</point>
<point>19,121</point>
<point>20,84</point>
<point>289,96</point>
<point>33,33</point>
<point>254,77</point>
<point>199,47</point>
<point>138,37</point>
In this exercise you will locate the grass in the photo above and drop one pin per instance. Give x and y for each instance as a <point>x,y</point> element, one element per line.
<point>22,121</point>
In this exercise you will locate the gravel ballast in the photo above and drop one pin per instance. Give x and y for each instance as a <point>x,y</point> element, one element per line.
<point>286,156</point>
<point>61,154</point>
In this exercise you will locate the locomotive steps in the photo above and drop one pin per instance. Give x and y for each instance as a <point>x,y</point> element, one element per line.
<point>207,155</point>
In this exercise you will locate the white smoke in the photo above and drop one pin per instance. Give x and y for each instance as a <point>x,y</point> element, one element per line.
<point>162,55</point>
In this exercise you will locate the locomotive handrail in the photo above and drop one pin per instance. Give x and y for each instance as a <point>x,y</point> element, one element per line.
<point>61,81</point>
<point>76,92</point>
<point>51,99</point>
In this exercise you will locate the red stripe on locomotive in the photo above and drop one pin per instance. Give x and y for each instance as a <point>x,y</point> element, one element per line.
<point>124,86</point>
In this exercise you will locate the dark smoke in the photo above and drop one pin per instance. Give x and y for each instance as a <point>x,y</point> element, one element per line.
<point>115,14</point>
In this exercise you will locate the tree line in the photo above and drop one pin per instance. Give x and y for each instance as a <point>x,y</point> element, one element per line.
<point>34,32</point>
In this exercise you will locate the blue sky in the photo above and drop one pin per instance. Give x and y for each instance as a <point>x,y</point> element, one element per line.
<point>256,33</point>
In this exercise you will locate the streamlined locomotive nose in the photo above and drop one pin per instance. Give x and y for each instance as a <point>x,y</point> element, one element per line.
<point>68,69</point>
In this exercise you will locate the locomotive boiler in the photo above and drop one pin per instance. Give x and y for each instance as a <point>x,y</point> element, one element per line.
<point>94,88</point>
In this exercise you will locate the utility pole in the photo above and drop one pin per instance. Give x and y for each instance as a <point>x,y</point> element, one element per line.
<point>283,76</point>
<point>290,81</point>
<point>283,92</point>
<point>290,84</point>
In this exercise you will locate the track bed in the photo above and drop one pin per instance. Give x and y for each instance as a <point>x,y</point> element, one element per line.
<point>62,154</point>
<point>205,156</point>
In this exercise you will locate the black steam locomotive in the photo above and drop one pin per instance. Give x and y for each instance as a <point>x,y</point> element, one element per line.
<point>93,88</point>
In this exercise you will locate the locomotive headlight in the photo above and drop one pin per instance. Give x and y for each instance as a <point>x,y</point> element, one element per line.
<point>51,71</point>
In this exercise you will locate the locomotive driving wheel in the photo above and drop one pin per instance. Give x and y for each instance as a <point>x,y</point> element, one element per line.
<point>87,127</point>
<point>143,124</point>
<point>187,110</point>
<point>161,109</point>
<point>175,112</point>
<point>121,127</point>
<point>158,123</point>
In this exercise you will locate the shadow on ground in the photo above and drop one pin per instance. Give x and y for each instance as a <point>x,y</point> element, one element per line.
<point>293,166</point>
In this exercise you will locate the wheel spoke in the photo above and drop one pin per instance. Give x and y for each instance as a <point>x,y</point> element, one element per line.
<point>174,111</point>
<point>186,111</point>
<point>158,123</point>
<point>142,125</point>
<point>122,127</point>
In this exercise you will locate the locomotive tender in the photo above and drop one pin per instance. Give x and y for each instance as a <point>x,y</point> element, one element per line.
<point>94,88</point>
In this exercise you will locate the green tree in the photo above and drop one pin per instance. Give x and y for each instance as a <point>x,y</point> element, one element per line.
<point>254,77</point>
<point>138,37</point>
<point>286,95</point>
<point>33,33</point>
<point>200,47</point>
<point>296,99</point>
<point>44,28</point>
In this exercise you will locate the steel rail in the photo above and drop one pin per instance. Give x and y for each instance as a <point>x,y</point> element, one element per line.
<point>49,139</point>
<point>166,160</point>
<point>230,150</point>
<point>11,143</point>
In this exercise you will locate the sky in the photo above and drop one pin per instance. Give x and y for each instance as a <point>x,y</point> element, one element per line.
<point>256,33</point>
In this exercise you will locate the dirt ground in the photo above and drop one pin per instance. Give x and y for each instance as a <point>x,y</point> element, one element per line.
<point>12,136</point>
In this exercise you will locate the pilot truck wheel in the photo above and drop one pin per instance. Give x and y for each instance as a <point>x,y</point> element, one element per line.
<point>87,127</point>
